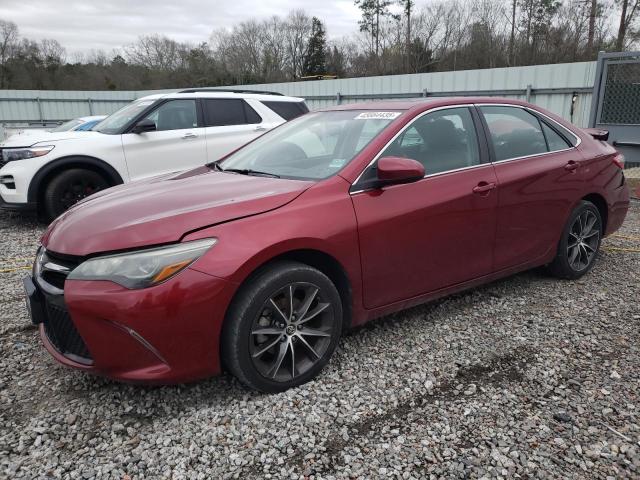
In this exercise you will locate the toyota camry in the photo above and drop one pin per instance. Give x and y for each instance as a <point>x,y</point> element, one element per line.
<point>258,262</point>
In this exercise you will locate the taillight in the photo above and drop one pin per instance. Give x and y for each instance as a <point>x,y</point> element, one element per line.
<point>618,160</point>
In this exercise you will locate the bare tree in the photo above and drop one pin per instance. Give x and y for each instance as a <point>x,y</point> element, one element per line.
<point>627,17</point>
<point>8,42</point>
<point>592,23</point>
<point>297,32</point>
<point>154,51</point>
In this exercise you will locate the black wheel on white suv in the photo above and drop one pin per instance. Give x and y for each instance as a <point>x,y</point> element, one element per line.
<point>68,188</point>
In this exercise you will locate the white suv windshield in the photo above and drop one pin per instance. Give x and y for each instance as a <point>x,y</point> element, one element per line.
<point>314,146</point>
<point>116,121</point>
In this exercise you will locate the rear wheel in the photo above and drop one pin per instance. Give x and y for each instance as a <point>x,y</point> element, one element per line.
<point>68,188</point>
<point>282,328</point>
<point>580,242</point>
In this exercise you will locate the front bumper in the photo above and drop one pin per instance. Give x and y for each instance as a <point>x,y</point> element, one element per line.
<point>164,334</point>
<point>26,207</point>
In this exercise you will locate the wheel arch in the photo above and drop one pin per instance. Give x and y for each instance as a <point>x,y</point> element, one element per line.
<point>319,260</point>
<point>47,172</point>
<point>601,204</point>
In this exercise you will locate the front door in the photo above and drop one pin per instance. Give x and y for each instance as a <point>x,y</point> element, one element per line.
<point>420,237</point>
<point>178,143</point>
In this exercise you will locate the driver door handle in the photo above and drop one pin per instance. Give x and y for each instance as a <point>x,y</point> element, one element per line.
<point>189,135</point>
<point>260,128</point>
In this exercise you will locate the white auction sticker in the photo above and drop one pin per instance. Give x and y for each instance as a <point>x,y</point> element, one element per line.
<point>378,115</point>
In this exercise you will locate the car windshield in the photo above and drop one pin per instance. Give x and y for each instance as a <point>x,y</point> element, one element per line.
<point>314,146</point>
<point>66,126</point>
<point>116,121</point>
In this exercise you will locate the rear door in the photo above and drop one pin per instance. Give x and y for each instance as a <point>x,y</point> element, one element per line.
<point>178,143</point>
<point>230,123</point>
<point>539,177</point>
<point>436,232</point>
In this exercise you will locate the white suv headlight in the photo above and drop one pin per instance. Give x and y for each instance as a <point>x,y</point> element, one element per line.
<point>143,268</point>
<point>11,154</point>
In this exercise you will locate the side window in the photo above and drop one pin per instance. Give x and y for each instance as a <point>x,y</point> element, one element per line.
<point>443,140</point>
<point>554,141</point>
<point>287,110</point>
<point>514,132</point>
<point>175,115</point>
<point>219,112</point>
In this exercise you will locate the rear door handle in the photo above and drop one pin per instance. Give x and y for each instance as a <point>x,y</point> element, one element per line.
<point>571,166</point>
<point>484,187</point>
<point>189,135</point>
<point>260,128</point>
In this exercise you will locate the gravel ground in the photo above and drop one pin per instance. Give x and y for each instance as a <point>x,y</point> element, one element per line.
<point>528,377</point>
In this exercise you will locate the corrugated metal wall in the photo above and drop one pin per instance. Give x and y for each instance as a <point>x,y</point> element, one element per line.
<point>562,88</point>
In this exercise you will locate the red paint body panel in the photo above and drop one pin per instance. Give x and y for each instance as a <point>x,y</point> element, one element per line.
<point>423,236</point>
<point>398,246</point>
<point>178,320</point>
<point>162,210</point>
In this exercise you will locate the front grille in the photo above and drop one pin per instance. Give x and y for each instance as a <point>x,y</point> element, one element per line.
<point>62,333</point>
<point>52,271</point>
<point>57,276</point>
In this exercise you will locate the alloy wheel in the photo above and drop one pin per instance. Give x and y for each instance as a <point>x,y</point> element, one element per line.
<point>582,244</point>
<point>292,332</point>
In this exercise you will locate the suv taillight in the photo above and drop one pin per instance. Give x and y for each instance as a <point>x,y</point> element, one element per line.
<point>618,160</point>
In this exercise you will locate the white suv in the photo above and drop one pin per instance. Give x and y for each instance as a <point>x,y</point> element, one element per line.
<point>163,133</point>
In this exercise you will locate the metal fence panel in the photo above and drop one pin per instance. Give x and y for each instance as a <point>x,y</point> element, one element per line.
<point>562,88</point>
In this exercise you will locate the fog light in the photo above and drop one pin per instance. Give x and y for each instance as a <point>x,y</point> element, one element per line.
<point>8,181</point>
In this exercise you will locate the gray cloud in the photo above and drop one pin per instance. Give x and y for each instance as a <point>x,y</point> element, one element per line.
<point>81,25</point>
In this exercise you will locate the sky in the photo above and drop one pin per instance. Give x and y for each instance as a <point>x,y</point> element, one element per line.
<point>83,26</point>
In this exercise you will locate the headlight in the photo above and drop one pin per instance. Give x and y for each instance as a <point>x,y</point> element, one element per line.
<point>11,154</point>
<point>142,268</point>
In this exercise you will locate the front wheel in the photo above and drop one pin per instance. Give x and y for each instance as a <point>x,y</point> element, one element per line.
<point>282,327</point>
<point>68,188</point>
<point>580,242</point>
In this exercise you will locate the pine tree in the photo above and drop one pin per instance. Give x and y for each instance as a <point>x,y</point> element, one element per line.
<point>372,11</point>
<point>315,58</point>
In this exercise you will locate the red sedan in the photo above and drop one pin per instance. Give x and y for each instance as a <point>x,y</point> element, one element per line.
<point>258,262</point>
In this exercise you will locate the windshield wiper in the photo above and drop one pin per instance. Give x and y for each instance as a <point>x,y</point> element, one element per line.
<point>248,171</point>
<point>215,166</point>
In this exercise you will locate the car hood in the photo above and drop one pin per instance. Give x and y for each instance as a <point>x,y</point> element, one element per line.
<point>33,138</point>
<point>163,209</point>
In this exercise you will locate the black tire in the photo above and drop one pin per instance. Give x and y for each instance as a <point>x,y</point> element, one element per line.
<point>68,188</point>
<point>569,264</point>
<point>251,312</point>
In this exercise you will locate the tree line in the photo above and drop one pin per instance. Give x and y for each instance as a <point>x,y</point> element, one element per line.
<point>392,37</point>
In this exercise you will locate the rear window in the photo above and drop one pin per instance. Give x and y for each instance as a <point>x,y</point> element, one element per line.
<point>287,110</point>
<point>219,112</point>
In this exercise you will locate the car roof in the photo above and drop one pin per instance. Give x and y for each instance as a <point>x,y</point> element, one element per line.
<point>224,94</point>
<point>423,103</point>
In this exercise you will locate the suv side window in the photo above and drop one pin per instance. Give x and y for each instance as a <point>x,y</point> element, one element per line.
<point>175,115</point>
<point>219,112</point>
<point>514,132</point>
<point>443,140</point>
<point>287,110</point>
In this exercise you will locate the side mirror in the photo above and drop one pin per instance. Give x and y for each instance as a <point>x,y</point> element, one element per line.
<point>393,170</point>
<point>144,125</point>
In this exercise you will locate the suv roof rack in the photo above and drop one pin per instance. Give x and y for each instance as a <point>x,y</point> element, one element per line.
<point>228,90</point>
